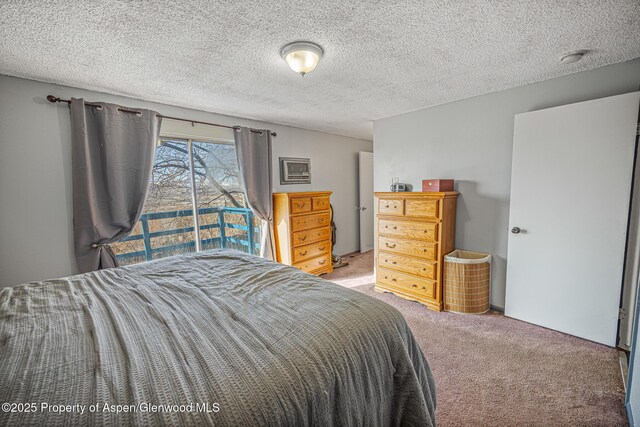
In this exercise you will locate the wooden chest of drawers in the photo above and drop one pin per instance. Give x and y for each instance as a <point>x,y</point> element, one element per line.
<point>302,223</point>
<point>414,231</point>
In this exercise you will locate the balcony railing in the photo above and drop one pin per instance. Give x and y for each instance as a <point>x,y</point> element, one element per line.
<point>243,238</point>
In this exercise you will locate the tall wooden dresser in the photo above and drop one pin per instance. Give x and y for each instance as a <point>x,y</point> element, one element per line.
<point>414,232</point>
<point>302,223</point>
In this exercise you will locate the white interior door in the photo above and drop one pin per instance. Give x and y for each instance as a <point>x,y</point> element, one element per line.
<point>570,188</point>
<point>365,172</point>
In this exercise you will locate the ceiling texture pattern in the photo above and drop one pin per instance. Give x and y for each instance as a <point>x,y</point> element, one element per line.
<point>382,58</point>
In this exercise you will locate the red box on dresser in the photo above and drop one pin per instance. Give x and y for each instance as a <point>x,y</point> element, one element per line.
<point>437,185</point>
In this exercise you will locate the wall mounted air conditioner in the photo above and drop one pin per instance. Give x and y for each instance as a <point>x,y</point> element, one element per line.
<point>295,170</point>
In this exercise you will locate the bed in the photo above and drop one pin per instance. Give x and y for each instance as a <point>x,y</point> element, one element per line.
<point>217,337</point>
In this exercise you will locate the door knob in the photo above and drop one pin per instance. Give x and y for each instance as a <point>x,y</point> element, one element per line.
<point>364,208</point>
<point>516,230</point>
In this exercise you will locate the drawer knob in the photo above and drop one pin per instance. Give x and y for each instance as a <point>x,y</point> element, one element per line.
<point>392,246</point>
<point>322,248</point>
<point>303,253</point>
<point>303,238</point>
<point>386,206</point>
<point>414,285</point>
<point>425,250</point>
<point>394,280</point>
<point>393,262</point>
<point>322,262</point>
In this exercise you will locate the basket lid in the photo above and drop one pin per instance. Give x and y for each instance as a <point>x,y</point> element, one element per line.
<point>467,257</point>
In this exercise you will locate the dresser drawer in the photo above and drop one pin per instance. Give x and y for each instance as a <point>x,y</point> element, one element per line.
<point>409,229</point>
<point>320,203</point>
<point>417,248</point>
<point>419,267</point>
<point>424,208</point>
<point>300,205</point>
<point>306,222</point>
<point>391,206</point>
<point>315,263</point>
<point>309,251</point>
<point>300,238</point>
<point>406,282</point>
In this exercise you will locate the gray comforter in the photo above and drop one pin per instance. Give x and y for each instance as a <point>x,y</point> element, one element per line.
<point>218,338</point>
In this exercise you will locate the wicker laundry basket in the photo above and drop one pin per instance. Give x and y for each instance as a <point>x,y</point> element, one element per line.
<point>467,280</point>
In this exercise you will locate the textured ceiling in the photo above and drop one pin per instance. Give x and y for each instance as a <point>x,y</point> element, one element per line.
<point>382,58</point>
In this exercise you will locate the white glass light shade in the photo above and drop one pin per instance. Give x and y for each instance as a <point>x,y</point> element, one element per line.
<point>302,57</point>
<point>302,61</point>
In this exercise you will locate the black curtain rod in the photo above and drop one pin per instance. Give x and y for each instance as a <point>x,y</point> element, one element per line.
<point>52,98</point>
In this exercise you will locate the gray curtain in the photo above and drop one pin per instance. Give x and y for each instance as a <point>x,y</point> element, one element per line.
<point>253,149</point>
<point>113,153</point>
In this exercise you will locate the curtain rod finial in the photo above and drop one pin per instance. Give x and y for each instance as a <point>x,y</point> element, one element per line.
<point>52,98</point>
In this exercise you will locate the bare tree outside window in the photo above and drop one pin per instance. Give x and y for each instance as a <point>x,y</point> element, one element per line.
<point>167,224</point>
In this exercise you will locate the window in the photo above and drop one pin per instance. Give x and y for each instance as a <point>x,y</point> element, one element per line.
<point>188,173</point>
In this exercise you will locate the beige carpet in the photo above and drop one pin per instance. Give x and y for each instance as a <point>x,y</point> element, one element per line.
<point>359,271</point>
<point>491,370</point>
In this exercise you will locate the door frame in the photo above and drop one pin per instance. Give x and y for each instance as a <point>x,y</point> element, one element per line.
<point>631,271</point>
<point>632,356</point>
<point>360,206</point>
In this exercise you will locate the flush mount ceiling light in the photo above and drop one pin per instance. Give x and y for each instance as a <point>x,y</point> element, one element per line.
<point>302,57</point>
<point>573,57</point>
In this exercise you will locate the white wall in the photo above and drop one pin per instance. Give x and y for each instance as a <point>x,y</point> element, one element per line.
<point>471,141</point>
<point>36,240</point>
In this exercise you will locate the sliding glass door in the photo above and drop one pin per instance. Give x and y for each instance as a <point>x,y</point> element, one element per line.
<point>195,203</point>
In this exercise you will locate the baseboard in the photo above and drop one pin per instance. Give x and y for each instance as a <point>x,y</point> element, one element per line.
<point>349,254</point>
<point>496,308</point>
<point>624,368</point>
